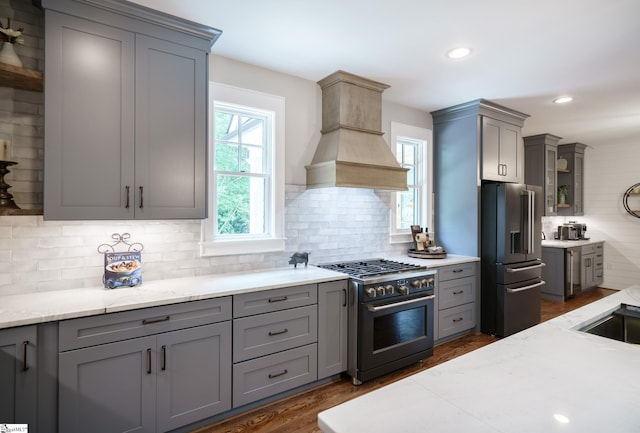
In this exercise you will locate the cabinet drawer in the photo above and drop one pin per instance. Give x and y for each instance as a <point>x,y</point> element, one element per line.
<point>263,377</point>
<point>451,272</point>
<point>456,292</point>
<point>456,319</point>
<point>273,300</point>
<point>265,334</point>
<point>107,328</point>
<point>589,249</point>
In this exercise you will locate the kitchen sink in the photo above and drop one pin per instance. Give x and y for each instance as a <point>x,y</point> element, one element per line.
<point>622,324</point>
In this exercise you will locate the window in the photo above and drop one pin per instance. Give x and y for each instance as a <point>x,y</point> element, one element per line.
<point>413,149</point>
<point>246,182</point>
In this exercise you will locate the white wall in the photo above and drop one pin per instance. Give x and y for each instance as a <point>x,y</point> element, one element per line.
<point>611,168</point>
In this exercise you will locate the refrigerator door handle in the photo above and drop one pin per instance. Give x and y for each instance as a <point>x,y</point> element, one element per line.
<point>522,289</point>
<point>529,221</point>
<point>526,268</point>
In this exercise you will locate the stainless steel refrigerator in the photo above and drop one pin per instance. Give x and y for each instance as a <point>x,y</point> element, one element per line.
<point>511,276</point>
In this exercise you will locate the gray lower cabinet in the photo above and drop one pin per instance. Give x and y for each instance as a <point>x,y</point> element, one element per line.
<point>457,292</point>
<point>572,270</point>
<point>332,328</point>
<point>269,375</point>
<point>125,113</point>
<point>18,370</point>
<point>164,368</point>
<point>275,335</point>
<point>592,265</point>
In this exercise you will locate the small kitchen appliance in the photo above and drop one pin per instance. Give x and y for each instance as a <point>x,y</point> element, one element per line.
<point>391,323</point>
<point>572,231</point>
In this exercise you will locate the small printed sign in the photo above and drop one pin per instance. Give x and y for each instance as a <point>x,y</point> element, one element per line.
<point>14,428</point>
<point>122,269</point>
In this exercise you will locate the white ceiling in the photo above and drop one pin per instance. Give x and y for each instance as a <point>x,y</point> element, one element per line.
<point>525,53</point>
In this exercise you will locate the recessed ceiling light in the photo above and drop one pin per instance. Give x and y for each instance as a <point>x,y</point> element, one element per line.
<point>562,100</point>
<point>458,53</point>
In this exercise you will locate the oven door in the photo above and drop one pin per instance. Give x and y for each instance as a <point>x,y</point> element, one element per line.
<point>391,329</point>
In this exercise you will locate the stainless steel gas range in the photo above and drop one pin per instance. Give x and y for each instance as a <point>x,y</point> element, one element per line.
<point>390,315</point>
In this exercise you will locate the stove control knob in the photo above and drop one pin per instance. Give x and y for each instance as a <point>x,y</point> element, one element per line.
<point>403,290</point>
<point>416,283</point>
<point>371,292</point>
<point>431,282</point>
<point>389,289</point>
<point>380,290</point>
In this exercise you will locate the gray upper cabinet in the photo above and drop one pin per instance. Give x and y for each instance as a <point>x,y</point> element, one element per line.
<point>474,141</point>
<point>541,154</point>
<point>572,178</point>
<point>502,151</point>
<point>125,112</point>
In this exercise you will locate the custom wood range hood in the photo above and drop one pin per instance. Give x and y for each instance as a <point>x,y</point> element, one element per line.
<point>351,151</point>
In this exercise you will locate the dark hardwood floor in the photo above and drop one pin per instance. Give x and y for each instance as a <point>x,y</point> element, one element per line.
<point>298,413</point>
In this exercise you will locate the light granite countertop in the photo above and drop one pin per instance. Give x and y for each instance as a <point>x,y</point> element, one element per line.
<point>548,378</point>
<point>33,308</point>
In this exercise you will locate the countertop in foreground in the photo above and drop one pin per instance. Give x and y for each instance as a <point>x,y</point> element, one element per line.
<point>548,378</point>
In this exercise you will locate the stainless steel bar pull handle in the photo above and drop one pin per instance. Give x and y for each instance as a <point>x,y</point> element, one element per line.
<point>529,222</point>
<point>522,289</point>
<point>526,268</point>
<point>571,272</point>
<point>25,364</point>
<point>398,304</point>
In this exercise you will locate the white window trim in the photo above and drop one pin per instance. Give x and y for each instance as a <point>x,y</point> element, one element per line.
<point>209,246</point>
<point>426,197</point>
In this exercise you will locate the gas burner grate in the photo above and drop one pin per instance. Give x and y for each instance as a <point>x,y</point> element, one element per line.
<point>370,268</point>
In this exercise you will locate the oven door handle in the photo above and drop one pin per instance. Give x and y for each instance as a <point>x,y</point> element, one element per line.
<point>521,289</point>
<point>398,304</point>
<point>526,268</point>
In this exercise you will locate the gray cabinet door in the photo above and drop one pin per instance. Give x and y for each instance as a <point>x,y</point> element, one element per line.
<point>171,128</point>
<point>89,119</point>
<point>18,376</point>
<point>193,374</point>
<point>502,151</point>
<point>108,388</point>
<point>332,328</point>
<point>125,123</point>
<point>572,178</point>
<point>578,185</point>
